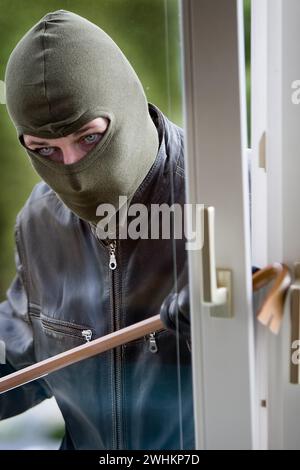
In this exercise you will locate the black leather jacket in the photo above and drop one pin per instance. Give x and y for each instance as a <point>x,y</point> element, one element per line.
<point>136,396</point>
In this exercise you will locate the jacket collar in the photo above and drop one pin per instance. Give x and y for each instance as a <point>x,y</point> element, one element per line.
<point>157,185</point>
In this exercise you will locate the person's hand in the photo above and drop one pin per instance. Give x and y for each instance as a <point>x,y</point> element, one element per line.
<point>175,312</point>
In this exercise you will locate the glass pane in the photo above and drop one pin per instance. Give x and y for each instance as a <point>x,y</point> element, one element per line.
<point>76,285</point>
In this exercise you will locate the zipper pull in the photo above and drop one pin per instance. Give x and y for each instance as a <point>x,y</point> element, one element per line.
<point>87,335</point>
<point>112,256</point>
<point>152,343</point>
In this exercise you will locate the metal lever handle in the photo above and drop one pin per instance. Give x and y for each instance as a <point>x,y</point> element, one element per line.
<point>271,312</point>
<point>216,295</point>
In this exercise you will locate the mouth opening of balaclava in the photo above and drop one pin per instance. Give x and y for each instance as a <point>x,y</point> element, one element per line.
<point>64,73</point>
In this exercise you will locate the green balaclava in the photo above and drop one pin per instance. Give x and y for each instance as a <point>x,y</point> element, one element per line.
<point>64,73</point>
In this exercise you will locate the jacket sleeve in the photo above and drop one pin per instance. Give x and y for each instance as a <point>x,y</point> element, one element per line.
<point>17,348</point>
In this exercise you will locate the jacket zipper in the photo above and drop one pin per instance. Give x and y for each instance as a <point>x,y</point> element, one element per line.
<point>87,335</point>
<point>73,330</point>
<point>117,352</point>
<point>112,255</point>
<point>152,343</point>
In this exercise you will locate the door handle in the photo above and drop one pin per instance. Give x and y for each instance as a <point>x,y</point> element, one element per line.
<point>217,283</point>
<point>271,312</point>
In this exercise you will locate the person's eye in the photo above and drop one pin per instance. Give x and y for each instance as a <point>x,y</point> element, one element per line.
<point>91,139</point>
<point>46,151</point>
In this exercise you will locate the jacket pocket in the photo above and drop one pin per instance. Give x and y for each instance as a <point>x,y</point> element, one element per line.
<point>63,328</point>
<point>60,329</point>
<point>149,343</point>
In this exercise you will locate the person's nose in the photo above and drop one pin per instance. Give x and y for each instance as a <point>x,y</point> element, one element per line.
<point>72,154</point>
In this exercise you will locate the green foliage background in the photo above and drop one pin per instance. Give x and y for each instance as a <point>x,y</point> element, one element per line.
<point>141,28</point>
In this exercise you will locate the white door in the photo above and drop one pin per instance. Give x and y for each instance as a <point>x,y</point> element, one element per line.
<point>276,194</point>
<point>215,124</point>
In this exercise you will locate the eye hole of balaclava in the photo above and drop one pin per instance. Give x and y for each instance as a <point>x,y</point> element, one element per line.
<point>71,148</point>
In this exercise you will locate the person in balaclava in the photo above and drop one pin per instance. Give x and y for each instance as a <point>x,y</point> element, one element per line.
<point>65,78</point>
<point>74,74</point>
